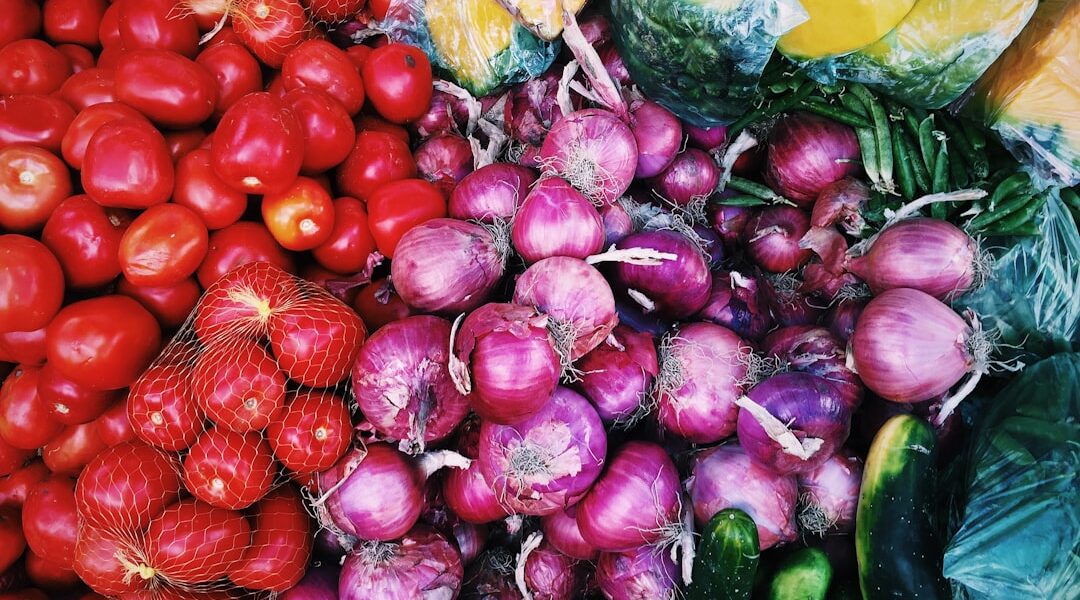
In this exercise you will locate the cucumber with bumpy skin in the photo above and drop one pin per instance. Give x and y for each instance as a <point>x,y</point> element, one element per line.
<point>727,558</point>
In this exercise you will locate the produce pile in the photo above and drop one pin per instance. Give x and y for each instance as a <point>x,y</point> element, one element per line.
<point>526,299</point>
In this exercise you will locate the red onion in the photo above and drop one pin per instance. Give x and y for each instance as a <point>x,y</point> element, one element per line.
<point>548,574</point>
<point>561,530</point>
<point>930,255</point>
<point>594,151</point>
<point>575,297</point>
<point>711,244</point>
<point>737,302</point>
<point>528,156</point>
<point>645,572</point>
<point>706,138</point>
<point>491,192</point>
<point>614,65</point>
<point>632,315</point>
<point>617,223</point>
<point>402,384</point>
<point>556,220</point>
<point>826,285</point>
<point>658,135</point>
<point>842,317</point>
<point>507,352</point>
<point>596,29</point>
<point>618,374</point>
<point>807,153</point>
<point>422,565</point>
<point>841,203</point>
<point>636,500</point>
<point>674,288</point>
<point>725,477</point>
<point>792,422</point>
<point>729,222</point>
<point>446,114</point>
<point>444,160</point>
<point>691,176</point>
<point>548,461</point>
<point>829,494</point>
<point>772,238</point>
<point>469,538</point>
<point>788,303</point>
<point>319,583</point>
<point>703,369</point>
<point>491,577</point>
<point>447,266</point>
<point>467,492</point>
<point>816,351</point>
<point>533,108</point>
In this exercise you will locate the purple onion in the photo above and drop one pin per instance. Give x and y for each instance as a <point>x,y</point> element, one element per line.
<point>467,492</point>
<point>691,176</point>
<point>639,573</point>
<point>737,302</point>
<point>469,538</point>
<point>447,114</point>
<point>618,375</point>
<point>561,530</point>
<point>633,315</point>
<point>533,108</point>
<point>444,159</point>
<point>491,577</point>
<point>596,29</point>
<point>729,222</point>
<point>319,583</point>
<point>556,220</point>
<point>659,136</point>
<point>614,65</point>
<point>829,494</point>
<point>530,157</point>
<point>594,151</point>
<point>552,575</point>
<point>575,297</point>
<point>711,244</point>
<point>421,565</point>
<point>841,203</point>
<point>772,238</point>
<point>807,153</point>
<point>706,138</point>
<point>814,350</point>
<point>674,288</point>
<point>617,223</point>
<point>491,192</point>
<point>788,303</point>
<point>842,317</point>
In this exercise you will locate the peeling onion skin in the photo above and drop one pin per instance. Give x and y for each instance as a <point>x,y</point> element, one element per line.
<point>423,565</point>
<point>636,574</point>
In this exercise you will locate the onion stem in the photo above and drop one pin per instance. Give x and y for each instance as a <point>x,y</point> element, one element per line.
<point>635,256</point>
<point>779,432</point>
<point>531,543</point>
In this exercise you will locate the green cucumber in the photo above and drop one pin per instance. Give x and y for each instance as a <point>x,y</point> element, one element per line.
<point>727,558</point>
<point>804,575</point>
<point>896,544</point>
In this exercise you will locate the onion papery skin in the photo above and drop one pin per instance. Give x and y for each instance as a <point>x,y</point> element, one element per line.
<point>548,461</point>
<point>617,377</point>
<point>446,266</point>
<point>703,370</point>
<point>706,138</point>
<point>617,223</point>
<point>556,220</point>
<point>594,151</point>
<point>402,385</point>
<point>737,302</point>
<point>806,153</point>
<point>359,505</point>
<point>561,530</point>
<point>929,255</point>
<point>422,565</point>
<point>638,573</point>
<point>319,583</point>
<point>491,192</point>
<point>841,203</point>
<point>772,239</point>
<point>634,500</point>
<point>679,288</point>
<point>573,293</point>
<point>658,134</point>
<point>444,160</point>
<point>552,575</point>
<point>909,347</point>
<point>726,477</point>
<point>512,361</point>
<point>467,492</point>
<point>842,317</point>
<point>491,577</point>
<point>829,494</point>
<point>816,351</point>
<point>446,114</point>
<point>693,175</point>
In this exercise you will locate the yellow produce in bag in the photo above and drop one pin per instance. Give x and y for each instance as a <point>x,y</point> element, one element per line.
<point>837,27</point>
<point>542,17</point>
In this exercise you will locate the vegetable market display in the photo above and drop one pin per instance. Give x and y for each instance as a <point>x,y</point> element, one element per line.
<point>517,299</point>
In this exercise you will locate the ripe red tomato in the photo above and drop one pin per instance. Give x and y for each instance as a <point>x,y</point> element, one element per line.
<point>311,433</point>
<point>73,449</point>
<point>328,131</point>
<point>350,242</point>
<point>324,66</point>
<point>109,56</point>
<point>109,29</point>
<point>32,283</point>
<point>379,8</point>
<point>23,347</point>
<point>102,559</point>
<point>127,166</point>
<point>201,190</point>
<point>11,458</point>
<point>85,238</point>
<point>300,217</point>
<point>34,119</point>
<point>87,122</point>
<point>241,243</point>
<point>113,426</point>
<point>398,207</point>
<point>239,303</point>
<point>376,158</point>
<point>378,304</point>
<point>259,145</point>
<point>238,385</point>
<point>103,343</point>
<point>280,544</point>
<point>50,521</point>
<point>181,142</point>
<point>73,21</point>
<point>25,419</point>
<point>225,35</point>
<point>22,19</point>
<point>316,340</point>
<point>398,81</point>
<point>32,183</point>
<point>46,574</point>
<point>16,487</point>
<point>80,58</point>
<point>228,469</point>
<point>156,24</point>
<point>333,11</point>
<point>161,409</point>
<point>32,67</point>
<point>193,542</point>
<point>70,403</point>
<point>12,541</point>
<point>171,90</point>
<point>270,28</point>
<point>170,304</point>
<point>163,246</point>
<point>236,73</point>
<point>89,87</point>
<point>375,123</point>
<point>126,486</point>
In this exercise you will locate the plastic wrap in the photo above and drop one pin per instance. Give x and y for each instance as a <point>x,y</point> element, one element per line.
<point>1031,95</point>
<point>542,17</point>
<point>1018,535</point>
<point>700,59</point>
<point>475,43</point>
<point>836,27</point>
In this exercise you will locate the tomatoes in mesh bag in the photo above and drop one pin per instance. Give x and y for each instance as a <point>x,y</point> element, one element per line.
<point>238,385</point>
<point>240,302</point>
<point>280,543</point>
<point>126,486</point>
<point>316,339</point>
<point>311,432</point>
<point>161,409</point>
<point>108,561</point>
<point>228,469</point>
<point>193,542</point>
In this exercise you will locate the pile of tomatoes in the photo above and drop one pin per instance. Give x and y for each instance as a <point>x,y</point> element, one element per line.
<point>146,151</point>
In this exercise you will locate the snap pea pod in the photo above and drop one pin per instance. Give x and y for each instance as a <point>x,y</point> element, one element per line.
<point>927,146</point>
<point>1027,229</point>
<point>772,108</point>
<point>882,137</point>
<point>911,124</point>
<point>976,160</point>
<point>853,104</point>
<point>940,180</point>
<point>1023,216</point>
<point>918,167</point>
<point>1013,203</point>
<point>974,134</point>
<point>959,177</point>
<point>1071,198</point>
<point>868,149</point>
<point>905,173</point>
<point>836,113</point>
<point>753,188</point>
<point>1008,187</point>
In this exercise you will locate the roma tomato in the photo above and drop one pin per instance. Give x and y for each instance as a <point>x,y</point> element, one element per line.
<point>376,123</point>
<point>311,433</point>
<point>16,487</point>
<point>70,403</point>
<point>32,67</point>
<point>398,81</point>
<point>238,385</point>
<point>228,469</point>
<point>350,242</point>
<point>80,58</point>
<point>328,131</point>
<point>32,183</point>
<point>180,143</point>
<point>21,19</point>
<point>398,207</point>
<point>50,521</point>
<point>161,409</point>
<point>34,119</point>
<point>238,244</point>
<point>109,28</point>
<point>334,11</point>
<point>47,574</point>
<point>109,56</point>
<point>270,28</point>
<point>378,304</point>
<point>25,419</point>
<point>126,486</point>
<point>89,87</point>
<point>32,283</point>
<point>11,458</point>
<point>73,449</point>
<point>193,542</point>
<point>12,541</point>
<point>163,246</point>
<point>324,66</point>
<point>375,159</point>
<point>171,90</point>
<point>241,300</point>
<point>156,24</point>
<point>258,147</point>
<point>103,343</point>
<point>85,237</point>
<point>301,217</point>
<point>200,189</point>
<point>170,304</point>
<point>73,21</point>
<point>225,35</point>
<point>235,71</point>
<point>113,426</point>
<point>280,544</point>
<point>23,347</point>
<point>103,557</point>
<point>316,340</point>
<point>87,122</point>
<point>127,166</point>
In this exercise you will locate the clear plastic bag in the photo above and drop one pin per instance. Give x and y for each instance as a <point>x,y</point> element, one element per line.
<point>1018,535</point>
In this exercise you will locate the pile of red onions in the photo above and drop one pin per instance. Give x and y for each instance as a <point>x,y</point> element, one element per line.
<point>674,288</point>
<point>422,564</point>
<point>641,572</point>
<point>737,302</point>
<point>444,159</point>
<point>816,351</point>
<point>491,192</point>
<point>547,574</point>
<point>692,175</point>
<point>658,134</point>
<point>772,238</point>
<point>468,492</point>
<point>808,152</point>
<point>556,220</point>
<point>594,151</point>
<point>617,376</point>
